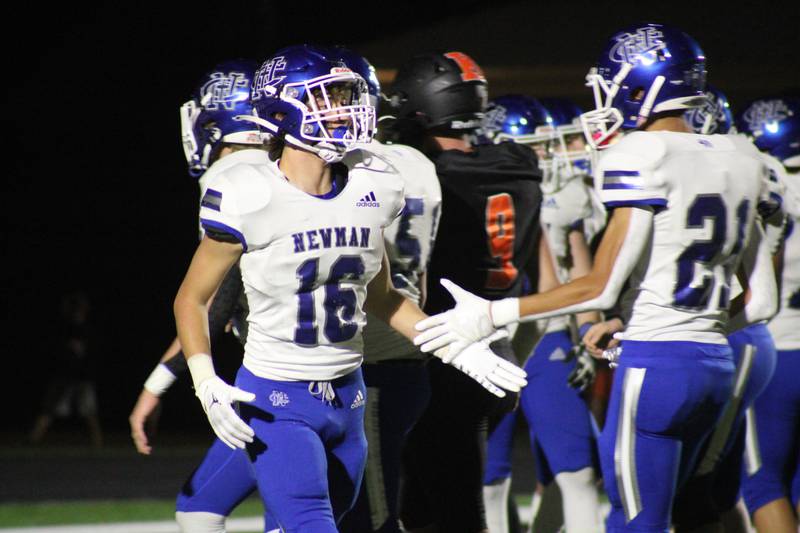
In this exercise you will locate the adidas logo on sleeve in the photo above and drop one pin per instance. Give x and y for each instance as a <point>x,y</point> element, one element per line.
<point>368,201</point>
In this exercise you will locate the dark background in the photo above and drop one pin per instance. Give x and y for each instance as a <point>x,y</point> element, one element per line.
<point>96,193</point>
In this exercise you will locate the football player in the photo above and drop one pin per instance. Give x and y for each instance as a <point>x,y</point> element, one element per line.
<point>209,131</point>
<point>711,495</point>
<point>307,225</point>
<point>682,224</point>
<point>562,432</point>
<point>487,238</point>
<point>771,484</point>
<point>214,139</point>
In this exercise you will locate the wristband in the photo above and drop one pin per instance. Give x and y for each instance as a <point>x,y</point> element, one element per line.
<point>504,312</point>
<point>160,380</point>
<point>201,368</point>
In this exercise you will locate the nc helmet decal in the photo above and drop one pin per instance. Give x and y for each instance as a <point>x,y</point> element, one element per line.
<point>268,76</point>
<point>224,90</point>
<point>633,47</point>
<point>766,114</point>
<point>713,107</point>
<point>494,118</point>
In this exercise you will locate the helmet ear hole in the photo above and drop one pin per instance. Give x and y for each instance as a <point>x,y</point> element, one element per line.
<point>637,94</point>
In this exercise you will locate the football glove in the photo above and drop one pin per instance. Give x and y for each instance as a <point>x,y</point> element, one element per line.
<point>471,320</point>
<point>217,398</point>
<point>494,373</point>
<point>584,372</point>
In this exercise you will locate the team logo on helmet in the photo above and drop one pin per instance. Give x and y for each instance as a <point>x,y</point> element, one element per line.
<point>267,77</point>
<point>470,71</point>
<point>494,118</point>
<point>711,107</point>
<point>630,47</point>
<point>765,112</point>
<point>223,90</point>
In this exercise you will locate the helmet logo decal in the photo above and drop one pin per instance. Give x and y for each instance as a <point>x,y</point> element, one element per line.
<point>495,117</point>
<point>470,71</point>
<point>267,76</point>
<point>713,108</point>
<point>630,47</point>
<point>762,113</point>
<point>224,90</point>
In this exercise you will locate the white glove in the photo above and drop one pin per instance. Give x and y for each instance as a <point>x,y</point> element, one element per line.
<point>217,398</point>
<point>490,370</point>
<point>469,321</point>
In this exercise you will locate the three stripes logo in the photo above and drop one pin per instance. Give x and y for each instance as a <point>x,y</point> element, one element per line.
<point>368,201</point>
<point>359,401</point>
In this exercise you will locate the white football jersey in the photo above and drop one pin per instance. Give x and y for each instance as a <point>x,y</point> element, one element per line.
<point>306,261</point>
<point>573,206</point>
<point>785,326</point>
<point>409,241</point>
<point>704,190</point>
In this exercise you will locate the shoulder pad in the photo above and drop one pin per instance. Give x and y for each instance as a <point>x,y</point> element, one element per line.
<point>248,186</point>
<point>636,151</point>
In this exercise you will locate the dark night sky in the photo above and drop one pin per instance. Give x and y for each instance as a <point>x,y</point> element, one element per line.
<point>96,192</point>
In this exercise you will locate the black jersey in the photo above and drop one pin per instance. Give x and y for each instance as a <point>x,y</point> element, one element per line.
<point>488,232</point>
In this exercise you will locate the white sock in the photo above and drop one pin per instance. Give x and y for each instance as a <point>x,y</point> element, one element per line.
<point>536,504</point>
<point>200,522</point>
<point>495,499</point>
<point>581,503</point>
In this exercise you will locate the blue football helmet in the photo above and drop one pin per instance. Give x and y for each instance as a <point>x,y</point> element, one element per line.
<point>774,126</point>
<point>569,153</point>
<point>213,115</point>
<point>313,100</point>
<point>714,116</point>
<point>359,64</point>
<point>645,69</point>
<point>517,118</point>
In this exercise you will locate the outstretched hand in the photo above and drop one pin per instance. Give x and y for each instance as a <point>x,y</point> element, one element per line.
<point>468,322</point>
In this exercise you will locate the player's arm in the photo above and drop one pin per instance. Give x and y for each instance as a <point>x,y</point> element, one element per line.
<point>626,236</point>
<point>210,263</point>
<point>144,416</point>
<point>475,360</point>
<point>759,298</point>
<point>581,266</point>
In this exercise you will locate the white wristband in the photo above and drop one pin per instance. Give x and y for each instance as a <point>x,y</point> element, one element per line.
<point>160,380</point>
<point>505,312</point>
<point>201,367</point>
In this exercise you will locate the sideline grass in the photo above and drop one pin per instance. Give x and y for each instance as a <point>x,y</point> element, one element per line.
<point>100,511</point>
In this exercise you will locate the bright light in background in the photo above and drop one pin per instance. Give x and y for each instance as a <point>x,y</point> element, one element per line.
<point>772,127</point>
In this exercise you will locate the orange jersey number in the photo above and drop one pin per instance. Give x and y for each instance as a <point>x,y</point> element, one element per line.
<point>500,233</point>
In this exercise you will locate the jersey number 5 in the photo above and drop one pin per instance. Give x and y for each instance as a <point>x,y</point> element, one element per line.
<point>339,304</point>
<point>500,233</point>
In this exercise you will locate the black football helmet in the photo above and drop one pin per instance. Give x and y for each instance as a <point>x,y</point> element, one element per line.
<point>445,92</point>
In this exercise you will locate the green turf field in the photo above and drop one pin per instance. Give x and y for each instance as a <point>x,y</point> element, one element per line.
<point>98,512</point>
<point>110,511</point>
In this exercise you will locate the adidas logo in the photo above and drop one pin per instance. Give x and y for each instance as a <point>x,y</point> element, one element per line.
<point>368,201</point>
<point>359,401</point>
